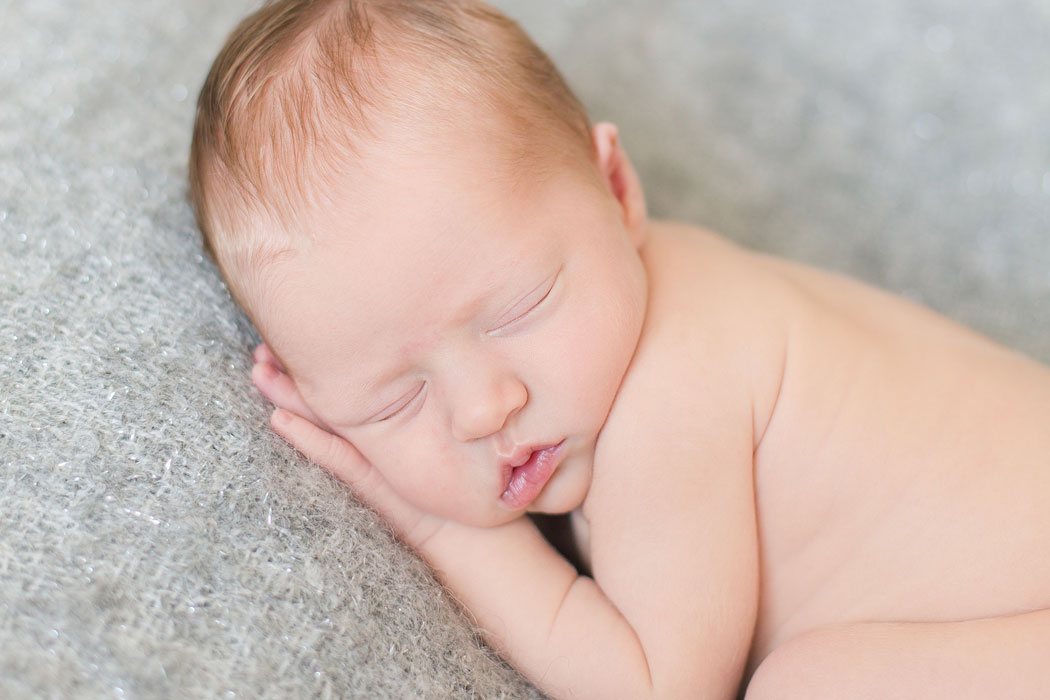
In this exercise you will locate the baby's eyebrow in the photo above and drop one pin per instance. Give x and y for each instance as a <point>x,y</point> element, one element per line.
<point>358,390</point>
<point>360,414</point>
<point>470,310</point>
<point>372,386</point>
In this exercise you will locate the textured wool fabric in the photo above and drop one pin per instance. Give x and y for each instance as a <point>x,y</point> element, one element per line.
<point>156,540</point>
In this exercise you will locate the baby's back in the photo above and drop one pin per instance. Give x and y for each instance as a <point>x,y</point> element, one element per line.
<point>902,462</point>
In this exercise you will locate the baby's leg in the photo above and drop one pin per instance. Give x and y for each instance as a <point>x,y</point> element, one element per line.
<point>1004,658</point>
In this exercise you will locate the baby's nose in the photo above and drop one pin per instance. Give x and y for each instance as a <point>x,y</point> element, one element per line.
<point>486,410</point>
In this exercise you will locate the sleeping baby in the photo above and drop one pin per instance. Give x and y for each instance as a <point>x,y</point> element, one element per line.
<point>781,483</point>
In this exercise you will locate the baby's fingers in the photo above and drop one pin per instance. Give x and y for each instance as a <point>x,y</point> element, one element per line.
<point>279,388</point>
<point>344,461</point>
<point>321,447</point>
<point>263,353</point>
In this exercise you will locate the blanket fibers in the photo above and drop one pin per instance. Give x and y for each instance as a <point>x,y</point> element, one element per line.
<point>157,541</point>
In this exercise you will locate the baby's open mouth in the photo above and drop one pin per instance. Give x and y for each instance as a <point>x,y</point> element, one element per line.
<point>526,480</point>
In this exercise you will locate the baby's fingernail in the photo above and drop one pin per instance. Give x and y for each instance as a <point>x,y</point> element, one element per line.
<point>282,416</point>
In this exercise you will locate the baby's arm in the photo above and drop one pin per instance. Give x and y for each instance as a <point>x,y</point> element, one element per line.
<point>672,514</point>
<point>553,625</point>
<point>558,628</point>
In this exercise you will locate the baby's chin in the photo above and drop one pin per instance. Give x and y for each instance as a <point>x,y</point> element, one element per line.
<point>550,502</point>
<point>555,505</point>
<point>565,493</point>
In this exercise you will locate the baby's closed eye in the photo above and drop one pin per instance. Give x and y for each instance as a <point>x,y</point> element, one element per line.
<point>525,306</point>
<point>408,400</point>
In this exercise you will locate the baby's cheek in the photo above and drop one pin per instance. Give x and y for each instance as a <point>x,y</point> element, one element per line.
<point>598,372</point>
<point>410,464</point>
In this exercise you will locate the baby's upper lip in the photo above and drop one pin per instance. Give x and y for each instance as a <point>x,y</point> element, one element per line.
<point>520,455</point>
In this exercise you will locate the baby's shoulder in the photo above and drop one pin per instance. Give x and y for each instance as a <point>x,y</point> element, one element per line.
<point>700,278</point>
<point>715,307</point>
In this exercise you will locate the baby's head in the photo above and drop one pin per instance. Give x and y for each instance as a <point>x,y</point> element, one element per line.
<point>413,209</point>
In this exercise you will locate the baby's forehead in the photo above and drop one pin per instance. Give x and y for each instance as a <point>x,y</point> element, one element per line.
<point>425,240</point>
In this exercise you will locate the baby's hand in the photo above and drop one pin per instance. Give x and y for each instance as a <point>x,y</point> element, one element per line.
<point>295,422</point>
<point>527,600</point>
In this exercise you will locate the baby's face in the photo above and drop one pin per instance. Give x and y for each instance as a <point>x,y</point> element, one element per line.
<point>467,337</point>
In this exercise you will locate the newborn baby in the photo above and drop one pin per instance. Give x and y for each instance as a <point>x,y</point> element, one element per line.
<point>781,482</point>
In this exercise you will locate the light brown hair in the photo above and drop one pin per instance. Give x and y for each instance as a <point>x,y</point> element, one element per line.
<point>300,84</point>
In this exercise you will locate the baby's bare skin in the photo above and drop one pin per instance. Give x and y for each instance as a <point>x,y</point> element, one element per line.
<point>802,482</point>
<point>784,483</point>
<point>901,462</point>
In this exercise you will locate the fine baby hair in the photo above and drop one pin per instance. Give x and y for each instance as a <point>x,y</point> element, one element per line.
<point>301,87</point>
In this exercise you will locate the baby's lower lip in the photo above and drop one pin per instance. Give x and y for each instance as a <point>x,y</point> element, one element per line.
<point>526,481</point>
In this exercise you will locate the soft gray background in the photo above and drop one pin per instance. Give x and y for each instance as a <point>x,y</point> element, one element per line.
<point>157,541</point>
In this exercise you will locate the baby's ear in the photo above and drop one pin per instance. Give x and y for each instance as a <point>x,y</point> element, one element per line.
<point>619,176</point>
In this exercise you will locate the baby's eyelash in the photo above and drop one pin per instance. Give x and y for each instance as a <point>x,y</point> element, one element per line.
<point>399,406</point>
<point>532,306</point>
